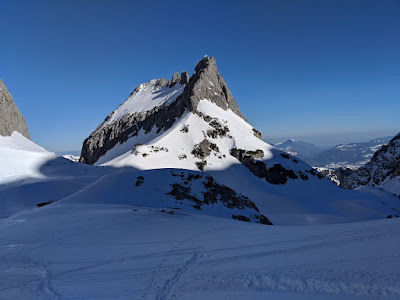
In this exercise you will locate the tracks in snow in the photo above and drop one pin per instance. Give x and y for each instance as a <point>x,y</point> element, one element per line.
<point>167,290</point>
<point>170,283</point>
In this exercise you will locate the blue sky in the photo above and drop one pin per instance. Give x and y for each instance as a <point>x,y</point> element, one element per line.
<point>296,68</point>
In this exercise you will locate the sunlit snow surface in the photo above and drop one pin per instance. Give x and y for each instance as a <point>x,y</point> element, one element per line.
<point>80,251</point>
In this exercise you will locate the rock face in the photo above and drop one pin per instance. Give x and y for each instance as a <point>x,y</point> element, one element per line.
<point>205,83</point>
<point>383,170</point>
<point>184,78</point>
<point>10,118</point>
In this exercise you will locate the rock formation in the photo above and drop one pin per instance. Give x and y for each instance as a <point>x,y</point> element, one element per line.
<point>383,170</point>
<point>10,118</point>
<point>205,83</point>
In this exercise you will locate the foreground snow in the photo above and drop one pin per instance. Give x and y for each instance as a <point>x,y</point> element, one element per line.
<point>119,233</point>
<point>122,252</point>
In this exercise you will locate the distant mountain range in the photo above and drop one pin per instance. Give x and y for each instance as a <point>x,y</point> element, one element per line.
<point>303,150</point>
<point>352,155</point>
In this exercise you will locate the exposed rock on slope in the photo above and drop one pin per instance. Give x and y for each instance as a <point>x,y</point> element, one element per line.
<point>10,118</point>
<point>214,194</point>
<point>383,170</point>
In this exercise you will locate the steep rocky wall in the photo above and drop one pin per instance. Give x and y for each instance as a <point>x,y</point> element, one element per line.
<point>207,83</point>
<point>10,118</point>
<point>385,164</point>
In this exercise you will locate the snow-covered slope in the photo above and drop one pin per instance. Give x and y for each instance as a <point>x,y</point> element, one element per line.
<point>382,171</point>
<point>88,251</point>
<point>20,158</point>
<point>173,148</point>
<point>30,175</point>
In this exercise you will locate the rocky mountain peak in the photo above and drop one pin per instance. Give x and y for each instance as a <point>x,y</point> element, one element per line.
<point>207,83</point>
<point>10,118</point>
<point>159,103</point>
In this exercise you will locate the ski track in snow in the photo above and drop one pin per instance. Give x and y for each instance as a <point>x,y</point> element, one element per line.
<point>168,287</point>
<point>47,283</point>
<point>170,283</point>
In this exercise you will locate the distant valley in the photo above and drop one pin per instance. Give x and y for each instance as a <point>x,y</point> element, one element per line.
<point>351,155</point>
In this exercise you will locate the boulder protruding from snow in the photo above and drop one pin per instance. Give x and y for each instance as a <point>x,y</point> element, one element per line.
<point>10,118</point>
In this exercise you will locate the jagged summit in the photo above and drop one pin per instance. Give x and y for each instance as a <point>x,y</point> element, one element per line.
<point>207,83</point>
<point>10,118</point>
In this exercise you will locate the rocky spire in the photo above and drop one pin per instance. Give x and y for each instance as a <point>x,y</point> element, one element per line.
<point>207,83</point>
<point>10,118</point>
<point>184,78</point>
<point>175,79</point>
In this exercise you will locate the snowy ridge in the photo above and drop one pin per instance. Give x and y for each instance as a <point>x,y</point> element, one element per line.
<point>145,97</point>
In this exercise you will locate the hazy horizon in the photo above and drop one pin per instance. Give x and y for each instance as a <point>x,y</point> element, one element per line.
<point>332,139</point>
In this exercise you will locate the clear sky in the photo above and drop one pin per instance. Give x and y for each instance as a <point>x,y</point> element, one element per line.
<point>295,68</point>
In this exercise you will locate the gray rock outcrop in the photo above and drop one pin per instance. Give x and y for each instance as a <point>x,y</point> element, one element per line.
<point>383,166</point>
<point>205,83</point>
<point>10,118</point>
